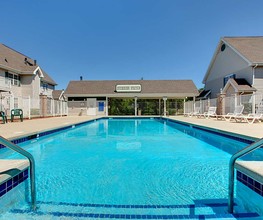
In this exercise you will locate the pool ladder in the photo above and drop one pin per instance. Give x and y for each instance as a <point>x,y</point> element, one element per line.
<point>29,156</point>
<point>246,150</point>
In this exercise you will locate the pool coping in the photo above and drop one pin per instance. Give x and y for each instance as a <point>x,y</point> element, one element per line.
<point>232,135</point>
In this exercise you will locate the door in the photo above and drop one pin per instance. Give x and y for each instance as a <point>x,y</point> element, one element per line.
<point>91,106</point>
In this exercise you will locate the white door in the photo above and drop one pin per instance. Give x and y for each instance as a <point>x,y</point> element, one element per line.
<point>91,106</point>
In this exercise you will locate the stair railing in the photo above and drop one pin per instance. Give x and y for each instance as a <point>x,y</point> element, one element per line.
<point>246,150</point>
<point>29,156</point>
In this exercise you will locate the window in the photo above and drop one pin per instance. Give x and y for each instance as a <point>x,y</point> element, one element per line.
<point>13,78</point>
<point>226,78</point>
<point>46,86</point>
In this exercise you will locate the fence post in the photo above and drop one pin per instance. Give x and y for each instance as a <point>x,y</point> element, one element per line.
<point>60,108</point>
<point>254,103</point>
<point>12,102</point>
<point>43,107</point>
<point>184,107</point>
<point>29,107</point>
<point>235,100</point>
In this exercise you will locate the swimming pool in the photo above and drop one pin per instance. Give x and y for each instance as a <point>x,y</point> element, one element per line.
<point>134,164</point>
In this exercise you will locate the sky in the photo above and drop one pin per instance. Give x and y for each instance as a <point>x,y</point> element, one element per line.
<point>125,39</point>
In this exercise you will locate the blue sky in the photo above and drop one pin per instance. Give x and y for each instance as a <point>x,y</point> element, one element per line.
<point>125,39</point>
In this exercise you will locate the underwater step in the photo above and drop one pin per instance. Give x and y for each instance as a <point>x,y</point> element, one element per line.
<point>54,210</point>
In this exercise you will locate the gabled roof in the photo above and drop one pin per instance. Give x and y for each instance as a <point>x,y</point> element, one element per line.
<point>204,94</point>
<point>48,79</point>
<point>17,62</point>
<point>240,85</point>
<point>108,87</point>
<point>250,49</point>
<point>57,94</point>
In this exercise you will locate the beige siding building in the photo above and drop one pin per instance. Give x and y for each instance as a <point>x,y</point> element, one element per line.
<point>21,76</point>
<point>92,97</point>
<point>237,58</point>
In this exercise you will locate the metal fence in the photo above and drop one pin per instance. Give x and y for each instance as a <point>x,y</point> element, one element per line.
<point>250,102</point>
<point>33,107</point>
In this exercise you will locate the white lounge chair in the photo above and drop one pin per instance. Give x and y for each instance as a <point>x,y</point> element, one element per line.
<point>237,113</point>
<point>194,113</point>
<point>251,118</point>
<point>210,113</point>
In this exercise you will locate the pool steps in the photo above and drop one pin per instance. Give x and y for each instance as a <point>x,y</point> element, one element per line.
<point>54,210</point>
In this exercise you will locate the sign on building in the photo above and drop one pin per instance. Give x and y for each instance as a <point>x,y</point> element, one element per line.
<point>128,88</point>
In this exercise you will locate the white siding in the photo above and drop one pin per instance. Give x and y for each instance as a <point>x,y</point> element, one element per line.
<point>258,80</point>
<point>225,63</point>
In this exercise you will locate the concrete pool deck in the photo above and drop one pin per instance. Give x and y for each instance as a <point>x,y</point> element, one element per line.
<point>12,130</point>
<point>253,130</point>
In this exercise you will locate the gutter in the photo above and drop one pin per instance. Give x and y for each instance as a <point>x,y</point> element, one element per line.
<point>15,70</point>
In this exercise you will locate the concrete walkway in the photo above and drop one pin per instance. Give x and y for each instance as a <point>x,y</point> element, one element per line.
<point>18,129</point>
<point>253,130</point>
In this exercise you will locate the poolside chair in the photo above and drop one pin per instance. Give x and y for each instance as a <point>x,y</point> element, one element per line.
<point>237,113</point>
<point>210,113</point>
<point>194,113</point>
<point>4,118</point>
<point>251,118</point>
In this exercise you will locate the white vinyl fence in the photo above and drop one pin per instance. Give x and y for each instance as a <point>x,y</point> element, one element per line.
<point>250,102</point>
<point>33,107</point>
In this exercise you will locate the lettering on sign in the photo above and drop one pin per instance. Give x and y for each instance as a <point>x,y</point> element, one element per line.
<point>128,88</point>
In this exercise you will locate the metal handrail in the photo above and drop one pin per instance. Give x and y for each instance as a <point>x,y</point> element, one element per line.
<point>29,156</point>
<point>233,159</point>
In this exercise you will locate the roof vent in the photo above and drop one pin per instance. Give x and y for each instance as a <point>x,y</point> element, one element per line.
<point>223,47</point>
<point>81,78</point>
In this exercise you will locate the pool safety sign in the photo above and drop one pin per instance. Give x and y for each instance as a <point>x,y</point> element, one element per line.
<point>128,88</point>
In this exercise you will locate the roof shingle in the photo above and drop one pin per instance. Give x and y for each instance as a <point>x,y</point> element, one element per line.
<point>16,61</point>
<point>250,47</point>
<point>147,87</point>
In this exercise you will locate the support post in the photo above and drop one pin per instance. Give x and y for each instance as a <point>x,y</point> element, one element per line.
<point>107,110</point>
<point>164,106</point>
<point>135,105</point>
<point>160,107</point>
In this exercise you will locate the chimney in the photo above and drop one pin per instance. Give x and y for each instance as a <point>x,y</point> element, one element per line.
<point>35,62</point>
<point>81,78</point>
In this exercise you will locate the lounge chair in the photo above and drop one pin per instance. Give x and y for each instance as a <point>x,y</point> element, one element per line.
<point>194,113</point>
<point>251,118</point>
<point>210,113</point>
<point>237,113</point>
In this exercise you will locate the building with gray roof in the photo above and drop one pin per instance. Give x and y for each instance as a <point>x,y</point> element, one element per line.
<point>92,97</point>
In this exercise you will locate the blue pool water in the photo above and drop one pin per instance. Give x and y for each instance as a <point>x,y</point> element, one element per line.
<point>131,162</point>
